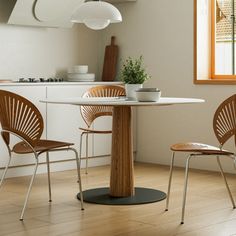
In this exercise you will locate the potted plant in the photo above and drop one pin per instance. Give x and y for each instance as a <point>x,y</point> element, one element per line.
<point>133,74</point>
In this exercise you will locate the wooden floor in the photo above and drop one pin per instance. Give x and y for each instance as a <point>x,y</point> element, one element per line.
<point>208,211</point>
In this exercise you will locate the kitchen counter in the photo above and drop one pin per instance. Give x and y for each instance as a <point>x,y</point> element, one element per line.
<point>60,83</point>
<point>61,122</point>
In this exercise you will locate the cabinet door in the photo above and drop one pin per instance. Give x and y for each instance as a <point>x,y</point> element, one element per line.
<point>63,121</point>
<point>102,142</point>
<point>34,94</point>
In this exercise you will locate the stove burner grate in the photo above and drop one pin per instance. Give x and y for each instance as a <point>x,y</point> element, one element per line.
<point>40,80</point>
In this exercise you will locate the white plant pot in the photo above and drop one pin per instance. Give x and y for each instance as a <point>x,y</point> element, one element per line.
<point>130,90</point>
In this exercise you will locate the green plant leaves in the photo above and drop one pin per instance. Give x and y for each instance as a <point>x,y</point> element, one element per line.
<point>133,72</point>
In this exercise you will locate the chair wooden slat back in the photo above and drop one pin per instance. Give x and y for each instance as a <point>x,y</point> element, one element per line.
<point>90,113</point>
<point>224,122</point>
<point>20,116</point>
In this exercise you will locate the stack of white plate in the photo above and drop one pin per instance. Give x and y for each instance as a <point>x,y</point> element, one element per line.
<point>79,73</point>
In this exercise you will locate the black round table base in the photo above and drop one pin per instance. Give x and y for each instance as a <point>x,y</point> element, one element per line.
<point>142,196</point>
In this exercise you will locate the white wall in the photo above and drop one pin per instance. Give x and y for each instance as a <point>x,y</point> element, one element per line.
<point>47,52</point>
<point>162,31</point>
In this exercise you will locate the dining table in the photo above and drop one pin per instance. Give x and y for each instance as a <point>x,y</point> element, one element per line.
<point>122,190</point>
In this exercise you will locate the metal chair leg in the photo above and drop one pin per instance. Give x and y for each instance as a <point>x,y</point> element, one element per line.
<point>86,153</point>
<point>5,171</point>
<point>225,180</point>
<point>49,180</point>
<point>185,188</point>
<point>170,179</point>
<point>29,190</point>
<point>79,177</point>
<point>78,161</point>
<point>80,147</point>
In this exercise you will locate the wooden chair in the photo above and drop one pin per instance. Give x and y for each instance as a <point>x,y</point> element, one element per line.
<point>224,125</point>
<point>19,117</point>
<point>90,113</point>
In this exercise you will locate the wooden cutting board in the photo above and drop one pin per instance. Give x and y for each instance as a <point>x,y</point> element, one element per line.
<point>110,61</point>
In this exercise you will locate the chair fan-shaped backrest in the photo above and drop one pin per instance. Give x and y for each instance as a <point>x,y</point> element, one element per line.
<point>224,122</point>
<point>20,116</point>
<point>90,113</point>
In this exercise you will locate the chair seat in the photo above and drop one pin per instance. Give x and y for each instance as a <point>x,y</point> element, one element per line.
<point>40,146</point>
<point>199,148</point>
<point>96,131</point>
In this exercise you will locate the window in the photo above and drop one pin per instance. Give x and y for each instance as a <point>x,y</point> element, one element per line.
<point>215,34</point>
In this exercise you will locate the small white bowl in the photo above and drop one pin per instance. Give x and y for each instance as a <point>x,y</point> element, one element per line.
<point>79,76</point>
<point>80,69</point>
<point>148,96</point>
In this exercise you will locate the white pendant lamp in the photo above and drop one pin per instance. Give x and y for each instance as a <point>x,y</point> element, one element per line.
<point>96,15</point>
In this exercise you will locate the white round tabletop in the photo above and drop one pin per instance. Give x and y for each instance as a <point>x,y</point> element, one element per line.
<point>116,101</point>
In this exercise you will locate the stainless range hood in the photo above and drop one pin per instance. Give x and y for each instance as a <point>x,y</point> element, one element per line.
<point>42,13</point>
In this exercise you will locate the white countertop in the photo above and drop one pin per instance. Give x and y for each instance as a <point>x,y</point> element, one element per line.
<point>59,83</point>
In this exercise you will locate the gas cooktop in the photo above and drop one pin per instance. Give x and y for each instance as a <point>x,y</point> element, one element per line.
<point>40,80</point>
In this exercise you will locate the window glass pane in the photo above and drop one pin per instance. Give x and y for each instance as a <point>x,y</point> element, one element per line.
<point>224,37</point>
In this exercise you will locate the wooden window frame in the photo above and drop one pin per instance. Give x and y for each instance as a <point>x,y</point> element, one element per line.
<point>214,79</point>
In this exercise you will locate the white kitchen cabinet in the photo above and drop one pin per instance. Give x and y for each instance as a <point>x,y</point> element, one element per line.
<point>61,123</point>
<point>102,142</point>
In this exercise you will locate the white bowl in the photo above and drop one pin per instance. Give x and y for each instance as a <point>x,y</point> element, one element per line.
<point>80,77</point>
<point>80,69</point>
<point>147,96</point>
